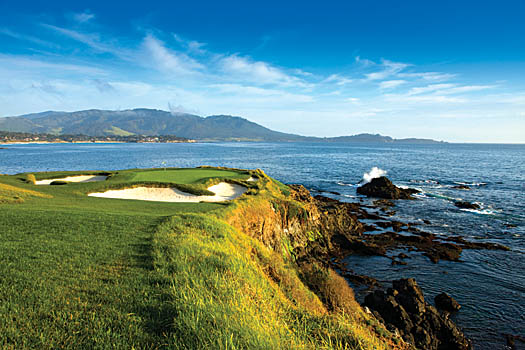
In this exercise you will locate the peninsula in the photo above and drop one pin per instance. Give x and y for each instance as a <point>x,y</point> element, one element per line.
<point>200,258</point>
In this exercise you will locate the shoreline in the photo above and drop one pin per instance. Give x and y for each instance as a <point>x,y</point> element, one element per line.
<point>83,142</point>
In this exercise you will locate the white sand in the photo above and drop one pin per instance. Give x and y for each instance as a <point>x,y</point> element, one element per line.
<point>223,192</point>
<point>252,179</point>
<point>79,178</point>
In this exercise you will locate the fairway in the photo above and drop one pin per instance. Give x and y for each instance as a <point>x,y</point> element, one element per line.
<point>188,176</point>
<point>82,272</point>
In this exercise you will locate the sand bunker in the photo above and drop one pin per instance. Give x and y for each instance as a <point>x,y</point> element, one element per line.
<point>79,178</point>
<point>252,179</point>
<point>223,192</point>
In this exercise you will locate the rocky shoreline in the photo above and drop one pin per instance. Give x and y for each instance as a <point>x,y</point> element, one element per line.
<point>351,228</point>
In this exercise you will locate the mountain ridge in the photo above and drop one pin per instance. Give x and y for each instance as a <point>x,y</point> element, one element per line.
<point>154,122</point>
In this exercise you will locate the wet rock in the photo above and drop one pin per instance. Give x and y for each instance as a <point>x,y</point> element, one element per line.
<point>466,205</point>
<point>369,228</point>
<point>383,203</point>
<point>402,256</point>
<point>461,187</point>
<point>511,340</point>
<point>419,323</point>
<point>397,262</point>
<point>446,303</point>
<point>382,187</point>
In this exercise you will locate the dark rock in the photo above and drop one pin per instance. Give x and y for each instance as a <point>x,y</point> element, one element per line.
<point>397,262</point>
<point>461,187</point>
<point>420,324</point>
<point>397,225</point>
<point>369,228</point>
<point>403,256</point>
<point>382,187</point>
<point>383,203</point>
<point>446,303</point>
<point>466,205</point>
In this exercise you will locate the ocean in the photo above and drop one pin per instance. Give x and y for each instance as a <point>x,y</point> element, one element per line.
<point>490,285</point>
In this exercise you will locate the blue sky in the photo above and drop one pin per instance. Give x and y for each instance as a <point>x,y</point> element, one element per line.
<point>451,70</point>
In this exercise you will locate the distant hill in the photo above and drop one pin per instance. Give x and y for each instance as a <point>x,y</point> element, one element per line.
<point>156,122</point>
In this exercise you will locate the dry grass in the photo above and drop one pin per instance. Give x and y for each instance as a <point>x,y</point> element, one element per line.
<point>12,194</point>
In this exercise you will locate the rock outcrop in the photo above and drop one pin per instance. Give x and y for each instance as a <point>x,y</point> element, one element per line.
<point>461,187</point>
<point>382,187</point>
<point>404,309</point>
<point>466,205</point>
<point>446,303</point>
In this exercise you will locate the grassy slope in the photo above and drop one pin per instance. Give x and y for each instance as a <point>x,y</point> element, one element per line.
<point>82,272</point>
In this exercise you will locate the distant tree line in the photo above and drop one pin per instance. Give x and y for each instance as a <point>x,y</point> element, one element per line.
<point>8,136</point>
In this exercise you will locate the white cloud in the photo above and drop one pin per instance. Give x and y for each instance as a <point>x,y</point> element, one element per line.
<point>83,17</point>
<point>338,80</point>
<point>390,84</point>
<point>428,76</point>
<point>365,62</point>
<point>353,100</point>
<point>258,72</point>
<point>11,65</point>
<point>429,88</point>
<point>258,92</point>
<point>169,60</point>
<point>425,99</point>
<point>192,46</point>
<point>92,40</point>
<point>465,89</point>
<point>30,38</point>
<point>389,68</point>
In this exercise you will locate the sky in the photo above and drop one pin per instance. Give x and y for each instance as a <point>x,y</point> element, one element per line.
<point>447,70</point>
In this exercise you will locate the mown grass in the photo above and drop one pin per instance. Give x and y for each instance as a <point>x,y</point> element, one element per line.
<point>188,176</point>
<point>80,272</point>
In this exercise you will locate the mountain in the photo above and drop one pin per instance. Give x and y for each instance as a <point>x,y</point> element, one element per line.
<point>156,122</point>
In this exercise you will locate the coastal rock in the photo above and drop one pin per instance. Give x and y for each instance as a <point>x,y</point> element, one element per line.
<point>382,187</point>
<point>461,187</point>
<point>446,303</point>
<point>466,205</point>
<point>419,323</point>
<point>383,203</point>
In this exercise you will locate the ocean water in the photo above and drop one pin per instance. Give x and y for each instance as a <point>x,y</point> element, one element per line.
<point>490,285</point>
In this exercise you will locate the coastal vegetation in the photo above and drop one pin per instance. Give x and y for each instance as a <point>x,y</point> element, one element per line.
<point>85,272</point>
<point>14,137</point>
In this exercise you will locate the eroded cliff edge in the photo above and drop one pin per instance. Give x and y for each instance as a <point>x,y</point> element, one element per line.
<point>314,233</point>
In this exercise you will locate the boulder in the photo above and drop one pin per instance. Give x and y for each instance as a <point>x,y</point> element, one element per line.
<point>446,303</point>
<point>382,187</point>
<point>461,187</point>
<point>403,307</point>
<point>466,205</point>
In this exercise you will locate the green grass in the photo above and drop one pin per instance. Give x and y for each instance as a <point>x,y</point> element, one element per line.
<point>188,176</point>
<point>80,272</point>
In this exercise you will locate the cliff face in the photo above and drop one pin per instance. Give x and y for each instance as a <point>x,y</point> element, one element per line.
<point>298,226</point>
<point>310,232</point>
